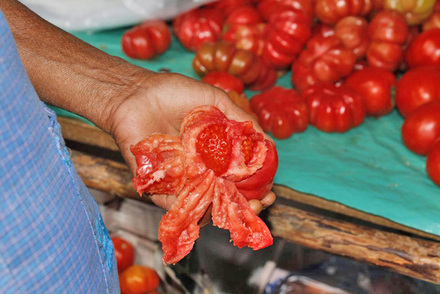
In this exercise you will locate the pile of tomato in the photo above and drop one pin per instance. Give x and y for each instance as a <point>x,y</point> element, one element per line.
<point>348,59</point>
<point>133,278</point>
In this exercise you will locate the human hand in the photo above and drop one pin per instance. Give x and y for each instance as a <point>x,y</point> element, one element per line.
<point>158,104</point>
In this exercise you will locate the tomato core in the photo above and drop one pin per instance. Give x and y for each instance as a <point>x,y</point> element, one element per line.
<point>214,147</point>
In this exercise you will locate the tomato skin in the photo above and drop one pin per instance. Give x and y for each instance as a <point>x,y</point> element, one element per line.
<point>146,40</point>
<point>415,11</point>
<point>324,60</point>
<point>421,129</point>
<point>388,32</point>
<point>331,11</point>
<point>334,109</point>
<point>195,27</point>
<point>424,49</point>
<point>124,253</point>
<point>416,87</point>
<point>228,6</point>
<point>375,86</point>
<point>287,31</point>
<point>280,111</point>
<point>433,164</point>
<point>224,81</point>
<point>247,15</point>
<point>138,279</point>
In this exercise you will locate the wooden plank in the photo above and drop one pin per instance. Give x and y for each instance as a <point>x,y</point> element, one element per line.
<point>287,193</point>
<point>408,256</point>
<point>79,131</point>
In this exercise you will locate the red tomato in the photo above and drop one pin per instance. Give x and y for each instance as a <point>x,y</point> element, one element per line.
<point>198,26</point>
<point>424,49</point>
<point>353,33</point>
<point>388,32</point>
<point>224,81</point>
<point>281,112</point>
<point>124,252</point>
<point>138,279</point>
<point>421,129</point>
<point>324,60</point>
<point>147,40</point>
<point>331,11</point>
<point>334,109</point>
<point>247,15</point>
<point>375,86</point>
<point>432,22</point>
<point>433,164</point>
<point>228,6</point>
<point>246,37</point>
<point>416,87</point>
<point>266,79</point>
<point>288,30</point>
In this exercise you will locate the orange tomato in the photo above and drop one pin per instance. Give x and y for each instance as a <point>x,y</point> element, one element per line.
<point>138,279</point>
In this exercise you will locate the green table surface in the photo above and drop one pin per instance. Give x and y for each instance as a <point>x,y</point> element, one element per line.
<point>368,168</point>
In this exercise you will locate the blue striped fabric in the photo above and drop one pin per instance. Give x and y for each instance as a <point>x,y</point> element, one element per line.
<point>52,237</point>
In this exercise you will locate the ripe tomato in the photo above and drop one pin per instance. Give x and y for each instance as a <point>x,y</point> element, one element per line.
<point>388,32</point>
<point>331,11</point>
<point>433,164</point>
<point>228,6</point>
<point>138,279</point>
<point>281,112</point>
<point>247,15</point>
<point>147,40</point>
<point>416,87</point>
<point>334,109</point>
<point>124,253</point>
<point>246,37</point>
<point>432,22</point>
<point>415,11</point>
<point>424,49</point>
<point>224,81</point>
<point>421,129</point>
<point>287,31</point>
<point>324,60</point>
<point>375,86</point>
<point>353,33</point>
<point>195,27</point>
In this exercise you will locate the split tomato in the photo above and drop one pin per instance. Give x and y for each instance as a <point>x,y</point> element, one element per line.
<point>138,279</point>
<point>224,81</point>
<point>334,109</point>
<point>433,164</point>
<point>124,253</point>
<point>280,111</point>
<point>421,129</point>
<point>376,86</point>
<point>214,161</point>
<point>416,87</point>
<point>147,40</point>
<point>424,49</point>
<point>195,27</point>
<point>324,60</point>
<point>388,32</point>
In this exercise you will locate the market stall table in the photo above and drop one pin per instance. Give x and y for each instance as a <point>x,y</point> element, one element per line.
<point>360,194</point>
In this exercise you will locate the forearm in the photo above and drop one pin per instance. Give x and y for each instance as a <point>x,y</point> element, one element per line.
<point>65,71</point>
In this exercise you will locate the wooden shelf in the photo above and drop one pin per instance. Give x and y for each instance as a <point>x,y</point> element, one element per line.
<point>297,217</point>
